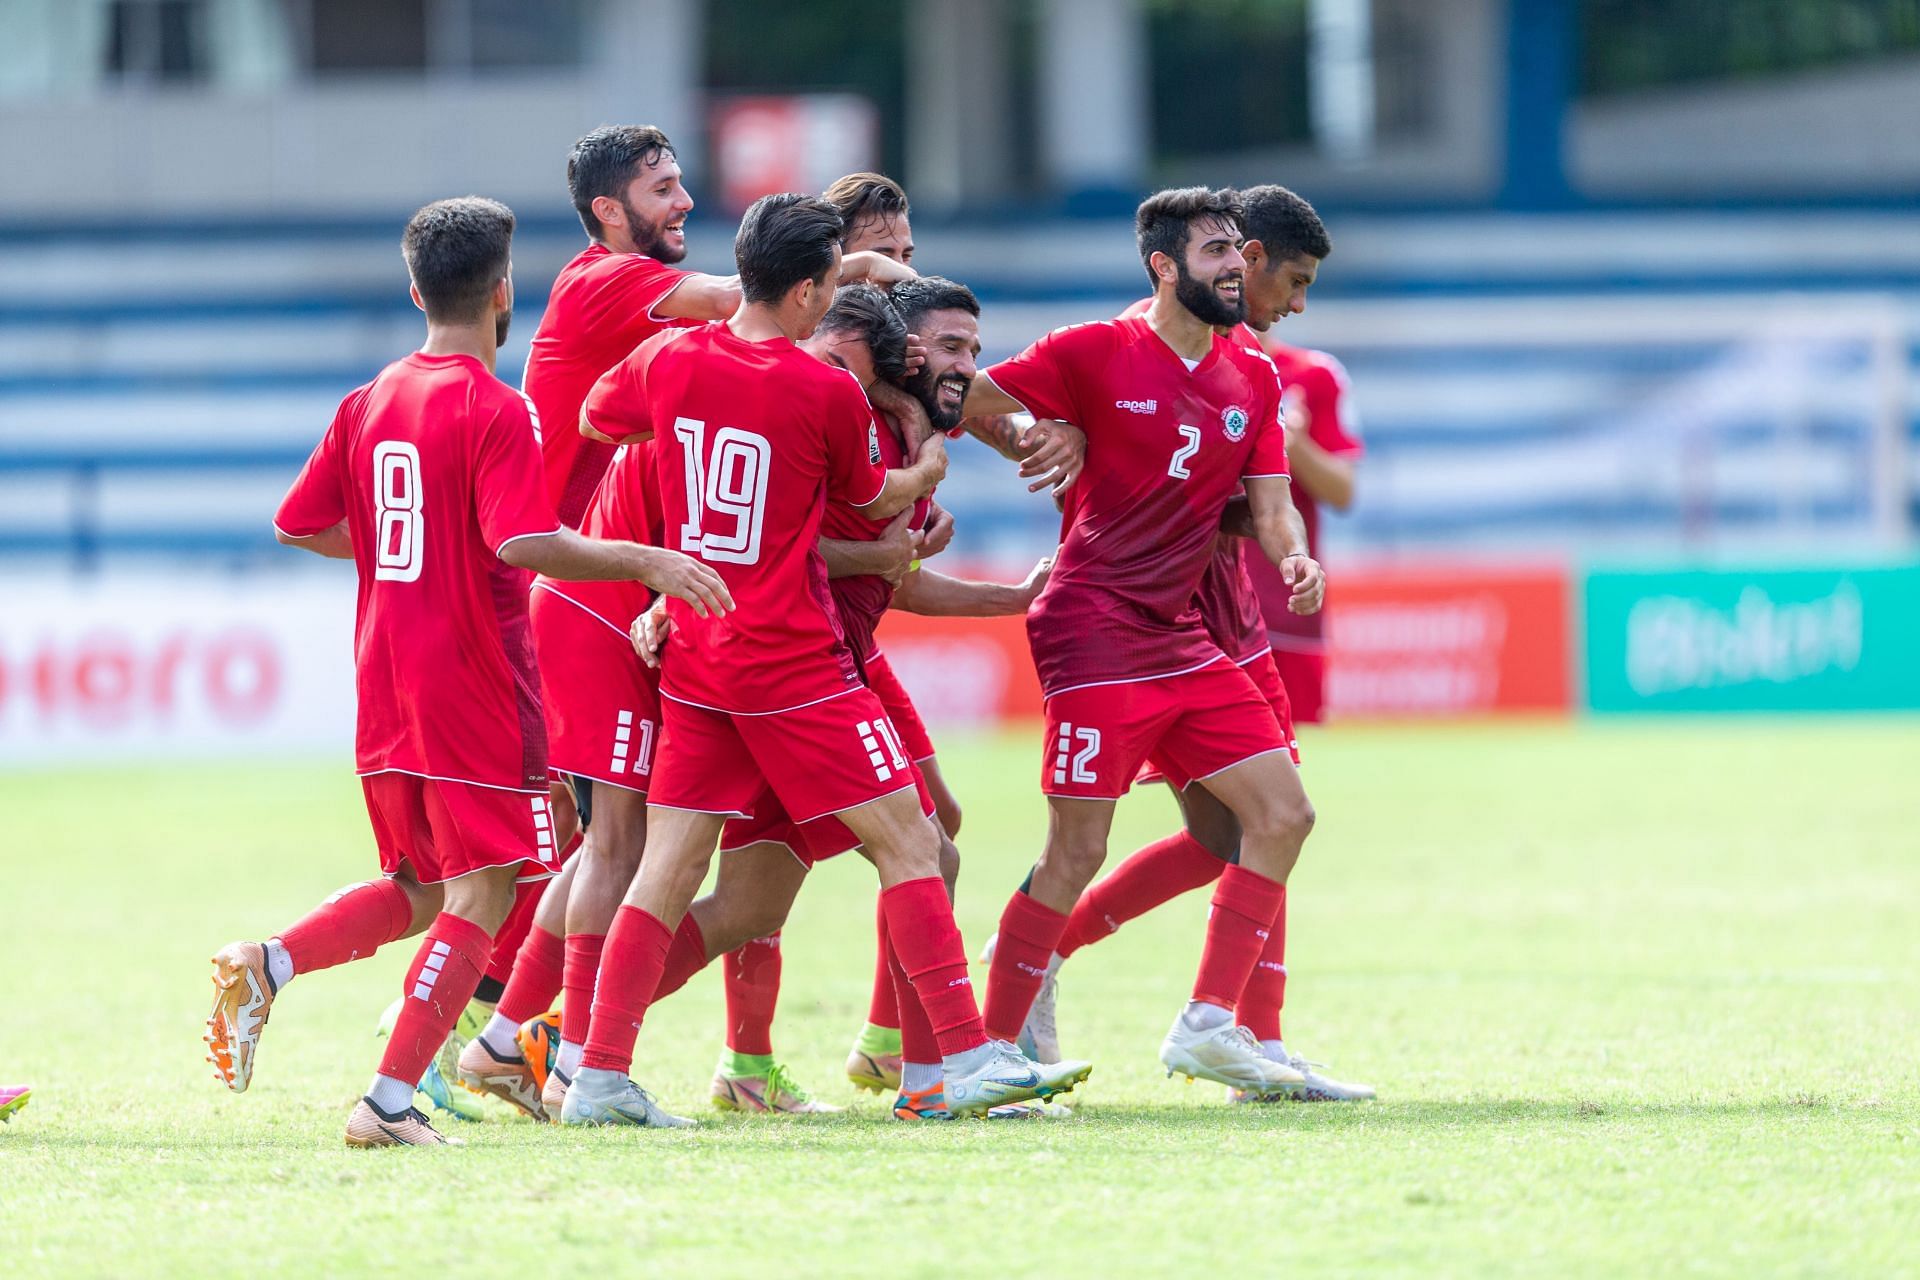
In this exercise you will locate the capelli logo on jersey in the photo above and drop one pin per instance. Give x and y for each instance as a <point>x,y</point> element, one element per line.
<point>873,443</point>
<point>1138,406</point>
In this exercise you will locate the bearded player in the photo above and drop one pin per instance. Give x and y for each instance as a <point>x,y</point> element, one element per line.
<point>1286,242</point>
<point>428,480</point>
<point>1177,418</point>
<point>755,436</point>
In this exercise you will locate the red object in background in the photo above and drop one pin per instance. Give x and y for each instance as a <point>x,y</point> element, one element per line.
<point>1446,640</point>
<point>963,672</point>
<point>797,142</point>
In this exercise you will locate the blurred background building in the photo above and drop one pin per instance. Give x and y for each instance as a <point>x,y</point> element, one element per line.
<point>1629,291</point>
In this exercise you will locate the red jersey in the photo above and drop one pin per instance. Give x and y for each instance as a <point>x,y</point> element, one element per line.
<point>434,465</point>
<point>1167,446</point>
<point>1336,429</point>
<point>625,508</point>
<point>754,439</point>
<point>862,599</point>
<point>601,307</point>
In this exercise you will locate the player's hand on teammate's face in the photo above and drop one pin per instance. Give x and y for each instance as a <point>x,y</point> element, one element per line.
<point>1059,451</point>
<point>649,632</point>
<point>875,268</point>
<point>938,534</point>
<point>907,410</point>
<point>684,578</point>
<point>1309,583</point>
<point>1037,580</point>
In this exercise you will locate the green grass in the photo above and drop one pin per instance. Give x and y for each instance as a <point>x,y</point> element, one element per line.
<point>1639,999</point>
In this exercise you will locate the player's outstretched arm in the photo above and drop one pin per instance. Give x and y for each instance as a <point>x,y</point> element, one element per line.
<point>334,543</point>
<point>701,297</point>
<point>1282,536</point>
<point>566,555</point>
<point>888,556</point>
<point>907,485</point>
<point>938,596</point>
<point>874,268</point>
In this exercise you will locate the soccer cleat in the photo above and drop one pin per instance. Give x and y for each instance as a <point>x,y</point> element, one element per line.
<point>449,1096</point>
<point>624,1104</point>
<point>874,1064</point>
<point>1226,1054</point>
<point>369,1126</point>
<point>539,1041</point>
<point>509,1079</point>
<point>241,1001</point>
<point>774,1092</point>
<point>1006,1075</point>
<point>554,1095</point>
<point>13,1098</point>
<point>1323,1088</point>
<point>931,1104</point>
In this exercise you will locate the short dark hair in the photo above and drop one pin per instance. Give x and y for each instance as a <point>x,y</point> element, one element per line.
<point>1285,224</point>
<point>456,251</point>
<point>1161,223</point>
<point>864,312</point>
<point>913,299</point>
<point>605,161</point>
<point>784,239</point>
<point>863,196</point>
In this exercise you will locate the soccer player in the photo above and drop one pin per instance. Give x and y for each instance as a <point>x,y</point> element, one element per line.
<point>1177,417</point>
<point>13,1098</point>
<point>754,435</point>
<point>428,480</point>
<point>1286,243</point>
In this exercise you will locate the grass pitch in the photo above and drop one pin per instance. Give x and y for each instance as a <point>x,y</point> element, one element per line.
<point>1640,999</point>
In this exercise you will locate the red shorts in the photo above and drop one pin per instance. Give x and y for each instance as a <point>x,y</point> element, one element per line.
<point>893,696</point>
<point>1305,675</point>
<point>444,830</point>
<point>1266,678</point>
<point>811,842</point>
<point>815,760</point>
<point>602,703</point>
<point>1200,722</point>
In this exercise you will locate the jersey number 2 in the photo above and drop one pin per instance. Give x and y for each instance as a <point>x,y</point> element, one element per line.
<point>399,513</point>
<point>1177,468</point>
<point>733,488</point>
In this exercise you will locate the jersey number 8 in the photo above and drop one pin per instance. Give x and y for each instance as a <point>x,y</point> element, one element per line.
<point>399,513</point>
<point>733,487</point>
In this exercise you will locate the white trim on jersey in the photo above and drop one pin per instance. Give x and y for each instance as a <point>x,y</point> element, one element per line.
<point>800,706</point>
<point>520,536</point>
<point>552,590</point>
<point>1165,675</point>
<point>467,782</point>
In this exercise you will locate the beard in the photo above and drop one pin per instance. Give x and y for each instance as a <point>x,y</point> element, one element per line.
<point>926,389</point>
<point>654,243</point>
<point>502,320</point>
<point>1206,304</point>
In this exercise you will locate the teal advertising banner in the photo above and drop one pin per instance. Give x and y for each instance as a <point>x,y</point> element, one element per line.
<point>1763,640</point>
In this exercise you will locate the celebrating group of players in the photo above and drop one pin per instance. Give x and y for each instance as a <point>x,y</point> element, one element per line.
<point>659,572</point>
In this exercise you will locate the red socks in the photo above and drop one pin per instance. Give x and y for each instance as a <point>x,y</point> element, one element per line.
<point>630,968</point>
<point>506,943</point>
<point>538,972</point>
<point>443,977</point>
<point>686,957</point>
<point>1158,873</point>
<point>883,1006</point>
<point>577,977</point>
<point>1259,1007</point>
<point>927,941</point>
<point>1244,905</point>
<point>355,922</point>
<point>917,1042</point>
<point>752,984</point>
<point>1029,935</point>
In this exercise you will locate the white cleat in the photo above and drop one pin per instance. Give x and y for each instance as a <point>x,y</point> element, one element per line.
<point>1318,1087</point>
<point>1039,1037</point>
<point>1004,1075</point>
<point>1226,1054</point>
<point>625,1103</point>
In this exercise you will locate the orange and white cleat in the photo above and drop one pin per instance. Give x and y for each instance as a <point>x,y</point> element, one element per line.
<point>508,1079</point>
<point>242,998</point>
<point>369,1126</point>
<point>773,1092</point>
<point>539,1041</point>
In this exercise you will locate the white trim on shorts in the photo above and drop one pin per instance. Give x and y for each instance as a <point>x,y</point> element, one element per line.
<point>1242,760</point>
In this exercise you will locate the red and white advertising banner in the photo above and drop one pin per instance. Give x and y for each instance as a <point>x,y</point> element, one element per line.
<point>1445,640</point>
<point>178,667</point>
<point>798,142</point>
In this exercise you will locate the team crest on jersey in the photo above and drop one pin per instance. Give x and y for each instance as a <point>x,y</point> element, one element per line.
<point>1233,420</point>
<point>873,443</point>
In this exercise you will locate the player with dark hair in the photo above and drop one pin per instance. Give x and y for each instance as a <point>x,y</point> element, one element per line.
<point>874,208</point>
<point>1177,418</point>
<point>767,711</point>
<point>428,480</point>
<point>1242,601</point>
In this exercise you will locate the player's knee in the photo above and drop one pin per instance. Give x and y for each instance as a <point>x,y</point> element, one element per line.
<point>1286,819</point>
<point>1077,856</point>
<point>484,897</point>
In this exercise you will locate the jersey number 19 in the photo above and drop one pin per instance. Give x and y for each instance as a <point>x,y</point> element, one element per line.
<point>733,488</point>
